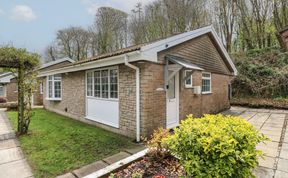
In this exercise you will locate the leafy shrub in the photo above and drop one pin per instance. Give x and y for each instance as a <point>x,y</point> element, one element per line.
<point>216,146</point>
<point>156,148</point>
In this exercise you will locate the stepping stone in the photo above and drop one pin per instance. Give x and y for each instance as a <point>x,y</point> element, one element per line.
<point>135,149</point>
<point>68,175</point>
<point>19,169</point>
<point>267,162</point>
<point>282,165</point>
<point>9,144</point>
<point>262,172</point>
<point>86,170</point>
<point>116,157</point>
<point>269,148</point>
<point>281,174</point>
<point>284,151</point>
<point>12,154</point>
<point>7,136</point>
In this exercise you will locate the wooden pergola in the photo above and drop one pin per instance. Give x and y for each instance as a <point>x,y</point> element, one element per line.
<point>24,63</point>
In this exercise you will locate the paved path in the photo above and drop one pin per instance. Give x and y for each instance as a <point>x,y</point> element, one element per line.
<point>272,123</point>
<point>12,161</point>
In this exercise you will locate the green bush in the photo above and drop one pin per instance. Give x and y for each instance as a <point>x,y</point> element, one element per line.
<point>216,146</point>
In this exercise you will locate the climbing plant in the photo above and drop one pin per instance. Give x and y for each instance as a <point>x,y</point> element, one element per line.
<point>23,64</point>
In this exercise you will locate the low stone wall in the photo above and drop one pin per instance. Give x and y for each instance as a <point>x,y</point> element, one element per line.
<point>9,105</point>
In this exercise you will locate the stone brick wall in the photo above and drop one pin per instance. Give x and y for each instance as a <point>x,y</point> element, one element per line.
<point>153,98</point>
<point>73,95</point>
<point>38,96</point>
<point>11,92</point>
<point>127,101</point>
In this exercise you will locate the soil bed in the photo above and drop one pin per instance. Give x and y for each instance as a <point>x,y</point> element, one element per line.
<point>152,168</point>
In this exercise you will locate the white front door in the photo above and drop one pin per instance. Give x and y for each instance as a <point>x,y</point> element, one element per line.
<point>172,95</point>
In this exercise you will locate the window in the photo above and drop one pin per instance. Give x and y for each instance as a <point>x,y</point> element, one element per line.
<point>89,79</point>
<point>103,83</point>
<point>54,87</point>
<point>206,82</point>
<point>188,79</point>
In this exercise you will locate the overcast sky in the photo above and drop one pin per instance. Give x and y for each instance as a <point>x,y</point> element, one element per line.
<point>32,24</point>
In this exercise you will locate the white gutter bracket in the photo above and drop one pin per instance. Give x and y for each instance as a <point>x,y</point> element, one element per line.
<point>137,96</point>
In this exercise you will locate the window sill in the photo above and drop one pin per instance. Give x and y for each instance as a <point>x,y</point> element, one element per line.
<point>104,99</point>
<point>206,93</point>
<point>53,99</point>
<point>189,87</point>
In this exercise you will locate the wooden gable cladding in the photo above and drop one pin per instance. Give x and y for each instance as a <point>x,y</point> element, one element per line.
<point>203,52</point>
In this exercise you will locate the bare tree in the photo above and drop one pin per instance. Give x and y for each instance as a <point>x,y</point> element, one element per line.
<point>73,42</point>
<point>111,28</point>
<point>226,14</point>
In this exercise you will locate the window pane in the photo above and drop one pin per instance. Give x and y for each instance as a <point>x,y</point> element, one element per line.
<point>113,83</point>
<point>57,77</point>
<point>97,84</point>
<point>206,85</point>
<point>57,89</point>
<point>206,75</point>
<point>171,88</point>
<point>188,77</point>
<point>90,84</point>
<point>104,84</point>
<point>50,88</point>
<point>50,77</point>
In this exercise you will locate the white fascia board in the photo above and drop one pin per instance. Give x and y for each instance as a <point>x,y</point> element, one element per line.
<point>223,49</point>
<point>57,62</point>
<point>7,79</point>
<point>115,60</point>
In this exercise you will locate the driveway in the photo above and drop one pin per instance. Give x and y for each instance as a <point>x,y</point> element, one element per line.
<point>12,161</point>
<point>272,123</point>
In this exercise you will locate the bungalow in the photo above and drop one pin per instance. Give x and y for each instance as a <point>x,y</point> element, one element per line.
<point>135,90</point>
<point>9,89</point>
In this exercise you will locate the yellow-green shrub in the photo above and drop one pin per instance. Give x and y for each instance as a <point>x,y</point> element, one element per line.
<point>216,146</point>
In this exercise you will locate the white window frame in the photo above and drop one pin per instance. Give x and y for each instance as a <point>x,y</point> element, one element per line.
<point>53,88</point>
<point>206,78</point>
<point>185,79</point>
<point>93,84</point>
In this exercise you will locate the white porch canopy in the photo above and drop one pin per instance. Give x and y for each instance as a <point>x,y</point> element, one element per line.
<point>177,64</point>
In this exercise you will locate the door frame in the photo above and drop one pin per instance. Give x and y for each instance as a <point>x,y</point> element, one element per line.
<point>174,68</point>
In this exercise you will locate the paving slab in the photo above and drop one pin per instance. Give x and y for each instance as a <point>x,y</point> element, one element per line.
<point>286,136</point>
<point>262,172</point>
<point>86,170</point>
<point>9,155</point>
<point>269,148</point>
<point>15,169</point>
<point>5,144</point>
<point>267,162</point>
<point>282,165</point>
<point>68,175</point>
<point>238,108</point>
<point>248,115</point>
<point>281,174</point>
<point>284,151</point>
<point>117,157</point>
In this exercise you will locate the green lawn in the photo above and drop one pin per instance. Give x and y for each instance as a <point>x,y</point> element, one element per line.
<point>57,144</point>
